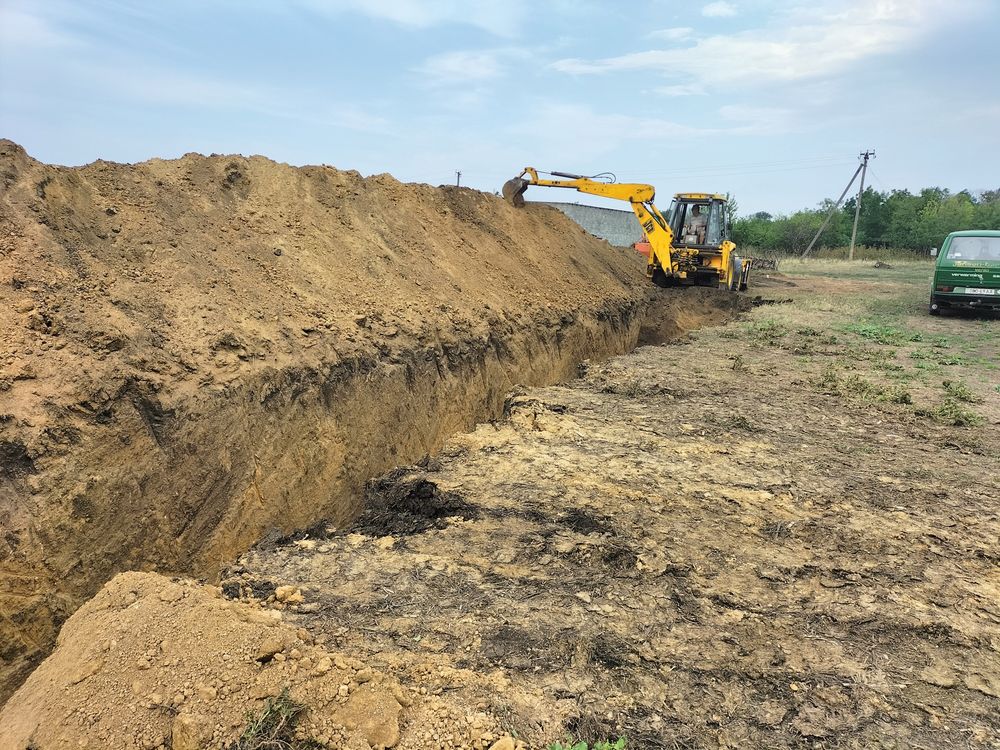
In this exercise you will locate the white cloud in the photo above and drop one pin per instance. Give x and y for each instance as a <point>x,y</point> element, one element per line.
<point>720,9</point>
<point>748,119</point>
<point>673,34</point>
<point>681,89</point>
<point>806,44</point>
<point>461,67</point>
<point>576,137</point>
<point>500,18</point>
<point>20,29</point>
<point>468,67</point>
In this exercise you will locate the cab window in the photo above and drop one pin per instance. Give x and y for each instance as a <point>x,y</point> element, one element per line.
<point>675,217</point>
<point>716,222</point>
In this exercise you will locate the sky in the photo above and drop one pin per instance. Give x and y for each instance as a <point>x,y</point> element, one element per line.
<point>770,102</point>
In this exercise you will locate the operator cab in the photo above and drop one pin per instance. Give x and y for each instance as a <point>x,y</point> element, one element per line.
<point>698,220</point>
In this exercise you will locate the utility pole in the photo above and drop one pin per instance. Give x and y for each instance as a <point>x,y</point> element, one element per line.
<point>458,178</point>
<point>832,211</point>
<point>857,209</point>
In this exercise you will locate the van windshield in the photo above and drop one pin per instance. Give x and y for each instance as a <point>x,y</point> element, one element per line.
<point>974,248</point>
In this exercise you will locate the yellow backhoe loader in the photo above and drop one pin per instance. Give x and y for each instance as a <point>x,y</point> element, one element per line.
<point>688,246</point>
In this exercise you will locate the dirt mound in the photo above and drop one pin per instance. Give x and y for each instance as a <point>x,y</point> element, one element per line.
<point>153,663</point>
<point>195,351</point>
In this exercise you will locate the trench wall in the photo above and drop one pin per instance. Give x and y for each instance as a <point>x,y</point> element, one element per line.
<point>188,488</point>
<point>203,351</point>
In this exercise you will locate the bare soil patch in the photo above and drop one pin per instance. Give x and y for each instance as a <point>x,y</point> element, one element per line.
<point>197,351</point>
<point>203,352</point>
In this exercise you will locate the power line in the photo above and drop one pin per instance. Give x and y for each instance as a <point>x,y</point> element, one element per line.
<point>710,174</point>
<point>832,210</point>
<point>871,171</point>
<point>740,166</point>
<point>768,162</point>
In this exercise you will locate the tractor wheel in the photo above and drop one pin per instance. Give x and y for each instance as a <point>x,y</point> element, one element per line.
<point>735,274</point>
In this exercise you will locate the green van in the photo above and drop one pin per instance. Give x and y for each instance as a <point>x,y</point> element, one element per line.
<point>967,273</point>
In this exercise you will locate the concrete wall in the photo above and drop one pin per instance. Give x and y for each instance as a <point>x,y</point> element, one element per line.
<point>620,228</point>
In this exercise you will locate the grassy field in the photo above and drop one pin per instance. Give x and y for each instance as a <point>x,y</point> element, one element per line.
<point>864,333</point>
<point>861,253</point>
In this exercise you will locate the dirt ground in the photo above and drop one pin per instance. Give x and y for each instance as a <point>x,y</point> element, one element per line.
<point>780,532</point>
<point>702,544</point>
<point>196,351</point>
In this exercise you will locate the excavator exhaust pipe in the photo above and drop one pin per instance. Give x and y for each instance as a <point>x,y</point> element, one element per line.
<point>513,191</point>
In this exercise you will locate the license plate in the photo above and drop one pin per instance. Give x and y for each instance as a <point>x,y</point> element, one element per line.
<point>974,290</point>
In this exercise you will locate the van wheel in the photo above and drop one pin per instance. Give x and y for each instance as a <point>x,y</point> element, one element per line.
<point>934,308</point>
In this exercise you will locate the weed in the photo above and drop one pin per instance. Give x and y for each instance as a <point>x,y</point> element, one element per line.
<point>895,393</point>
<point>958,390</point>
<point>951,359</point>
<point>618,744</point>
<point>274,727</point>
<point>738,363</point>
<point>883,334</point>
<point>804,347</point>
<point>869,354</point>
<point>887,366</point>
<point>808,331</point>
<point>856,387</point>
<point>767,332</point>
<point>631,388</point>
<point>740,422</point>
<point>952,412</point>
<point>776,530</point>
<point>828,381</point>
<point>902,373</point>
<point>880,334</point>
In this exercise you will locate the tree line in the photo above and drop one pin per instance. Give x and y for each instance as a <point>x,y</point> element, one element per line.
<point>896,219</point>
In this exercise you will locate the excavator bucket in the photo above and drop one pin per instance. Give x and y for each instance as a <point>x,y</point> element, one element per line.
<point>513,191</point>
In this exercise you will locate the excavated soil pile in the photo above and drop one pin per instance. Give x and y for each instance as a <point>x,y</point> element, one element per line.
<point>153,663</point>
<point>197,351</point>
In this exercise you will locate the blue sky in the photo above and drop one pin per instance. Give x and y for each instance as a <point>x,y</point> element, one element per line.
<point>769,101</point>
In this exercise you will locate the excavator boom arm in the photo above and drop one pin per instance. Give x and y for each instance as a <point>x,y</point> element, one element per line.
<point>638,195</point>
<point>625,191</point>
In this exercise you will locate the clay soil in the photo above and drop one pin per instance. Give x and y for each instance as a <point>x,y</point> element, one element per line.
<point>198,352</point>
<point>776,533</point>
<point>768,535</point>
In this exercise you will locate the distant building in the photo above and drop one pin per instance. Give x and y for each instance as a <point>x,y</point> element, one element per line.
<point>620,228</point>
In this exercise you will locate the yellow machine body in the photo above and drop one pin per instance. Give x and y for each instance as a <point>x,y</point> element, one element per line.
<point>698,257</point>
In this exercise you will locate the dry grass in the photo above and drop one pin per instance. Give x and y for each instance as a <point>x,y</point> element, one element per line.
<point>274,727</point>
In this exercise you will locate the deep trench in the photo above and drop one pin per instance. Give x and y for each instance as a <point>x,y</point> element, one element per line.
<point>286,449</point>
